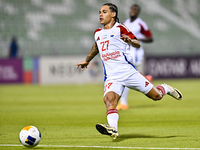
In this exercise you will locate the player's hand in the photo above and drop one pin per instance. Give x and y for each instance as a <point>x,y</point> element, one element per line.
<point>125,38</point>
<point>83,65</point>
<point>134,42</point>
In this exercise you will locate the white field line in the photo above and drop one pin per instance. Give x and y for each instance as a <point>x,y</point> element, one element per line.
<point>117,147</point>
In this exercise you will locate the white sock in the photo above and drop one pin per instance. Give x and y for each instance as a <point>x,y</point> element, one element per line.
<point>167,90</point>
<point>163,88</point>
<point>112,118</point>
<point>124,97</point>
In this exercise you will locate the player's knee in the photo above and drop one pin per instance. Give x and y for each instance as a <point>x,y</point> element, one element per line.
<point>156,97</point>
<point>110,101</point>
<point>154,94</point>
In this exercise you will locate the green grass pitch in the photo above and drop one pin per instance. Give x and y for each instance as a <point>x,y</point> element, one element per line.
<point>66,115</point>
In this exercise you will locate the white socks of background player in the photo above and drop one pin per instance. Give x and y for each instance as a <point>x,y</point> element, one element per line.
<point>163,88</point>
<point>124,97</point>
<point>112,118</point>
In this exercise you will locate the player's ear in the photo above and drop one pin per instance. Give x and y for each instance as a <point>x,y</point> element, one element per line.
<point>113,14</point>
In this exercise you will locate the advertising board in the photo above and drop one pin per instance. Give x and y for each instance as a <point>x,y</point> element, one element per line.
<point>62,70</point>
<point>11,71</point>
<point>173,67</point>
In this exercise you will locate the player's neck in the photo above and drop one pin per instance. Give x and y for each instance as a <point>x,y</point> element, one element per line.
<point>133,18</point>
<point>109,25</point>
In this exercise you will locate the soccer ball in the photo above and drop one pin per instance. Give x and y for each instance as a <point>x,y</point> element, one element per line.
<point>29,136</point>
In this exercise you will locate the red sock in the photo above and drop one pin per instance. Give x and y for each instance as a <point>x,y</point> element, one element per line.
<point>162,89</point>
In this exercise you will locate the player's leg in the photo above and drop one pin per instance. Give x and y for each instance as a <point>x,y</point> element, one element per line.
<point>124,100</point>
<point>140,83</point>
<point>123,105</point>
<point>140,64</point>
<point>156,93</point>
<point>141,68</point>
<point>111,98</point>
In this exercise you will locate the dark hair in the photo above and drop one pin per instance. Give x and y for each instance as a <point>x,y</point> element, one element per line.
<point>113,8</point>
<point>138,7</point>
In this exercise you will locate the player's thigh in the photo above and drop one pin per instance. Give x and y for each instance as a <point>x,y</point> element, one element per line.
<point>113,86</point>
<point>138,82</point>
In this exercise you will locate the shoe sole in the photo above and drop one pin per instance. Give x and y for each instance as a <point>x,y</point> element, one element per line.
<point>102,129</point>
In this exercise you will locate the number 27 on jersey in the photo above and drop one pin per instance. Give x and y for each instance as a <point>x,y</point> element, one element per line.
<point>105,45</point>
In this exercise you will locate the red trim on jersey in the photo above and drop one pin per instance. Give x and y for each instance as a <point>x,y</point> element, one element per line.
<point>145,77</point>
<point>126,31</point>
<point>111,111</point>
<point>161,88</point>
<point>99,29</point>
<point>147,33</point>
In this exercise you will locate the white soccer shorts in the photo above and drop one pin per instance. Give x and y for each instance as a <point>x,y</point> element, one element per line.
<point>137,82</point>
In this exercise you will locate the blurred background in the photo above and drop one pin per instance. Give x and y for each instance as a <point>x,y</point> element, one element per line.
<point>49,37</point>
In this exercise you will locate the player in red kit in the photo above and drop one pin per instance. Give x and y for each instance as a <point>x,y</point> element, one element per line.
<point>112,42</point>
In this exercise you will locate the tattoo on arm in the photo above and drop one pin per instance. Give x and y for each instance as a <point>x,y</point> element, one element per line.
<point>94,51</point>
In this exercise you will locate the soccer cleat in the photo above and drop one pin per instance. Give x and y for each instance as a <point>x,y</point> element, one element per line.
<point>122,107</point>
<point>107,130</point>
<point>174,92</point>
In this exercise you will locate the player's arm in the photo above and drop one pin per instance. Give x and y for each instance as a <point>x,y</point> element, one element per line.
<point>94,51</point>
<point>134,42</point>
<point>148,37</point>
<point>128,37</point>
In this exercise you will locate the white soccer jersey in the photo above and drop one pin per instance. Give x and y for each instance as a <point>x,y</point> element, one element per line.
<point>140,30</point>
<point>114,52</point>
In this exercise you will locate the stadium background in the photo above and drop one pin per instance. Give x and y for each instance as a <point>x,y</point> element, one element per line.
<point>54,35</point>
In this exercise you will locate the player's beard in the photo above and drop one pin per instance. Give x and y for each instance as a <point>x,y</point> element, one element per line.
<point>133,17</point>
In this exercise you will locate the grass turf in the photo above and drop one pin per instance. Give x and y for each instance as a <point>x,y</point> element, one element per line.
<point>66,115</point>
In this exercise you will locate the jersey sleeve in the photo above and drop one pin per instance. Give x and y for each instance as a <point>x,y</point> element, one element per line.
<point>126,31</point>
<point>96,38</point>
<point>145,30</point>
<point>99,29</point>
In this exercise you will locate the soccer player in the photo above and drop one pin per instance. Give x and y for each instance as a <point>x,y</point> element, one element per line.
<point>113,42</point>
<point>140,29</point>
